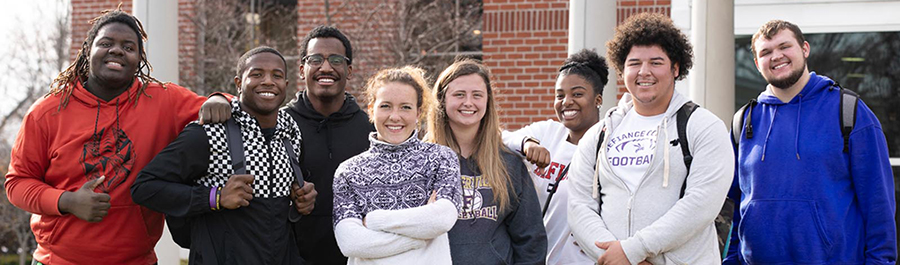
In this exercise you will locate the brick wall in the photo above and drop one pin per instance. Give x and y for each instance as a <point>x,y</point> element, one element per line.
<point>524,44</point>
<point>187,42</point>
<point>368,25</point>
<point>85,10</point>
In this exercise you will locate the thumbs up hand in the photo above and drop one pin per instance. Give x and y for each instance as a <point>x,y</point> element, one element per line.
<point>237,192</point>
<point>84,203</point>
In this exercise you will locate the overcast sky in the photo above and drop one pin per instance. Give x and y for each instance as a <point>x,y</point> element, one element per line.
<point>18,20</point>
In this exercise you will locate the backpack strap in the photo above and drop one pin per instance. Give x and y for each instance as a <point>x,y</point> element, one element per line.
<point>295,162</point>
<point>738,122</point>
<point>553,187</point>
<point>293,215</point>
<point>681,119</point>
<point>235,147</point>
<point>849,100</point>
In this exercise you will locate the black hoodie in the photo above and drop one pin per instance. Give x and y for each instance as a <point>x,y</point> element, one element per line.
<point>327,141</point>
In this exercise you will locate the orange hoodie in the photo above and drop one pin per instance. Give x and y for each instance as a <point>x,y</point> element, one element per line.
<point>57,151</point>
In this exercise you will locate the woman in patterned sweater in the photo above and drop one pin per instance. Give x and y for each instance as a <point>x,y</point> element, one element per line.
<point>394,203</point>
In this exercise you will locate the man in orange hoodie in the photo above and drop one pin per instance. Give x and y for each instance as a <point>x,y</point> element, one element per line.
<point>81,146</point>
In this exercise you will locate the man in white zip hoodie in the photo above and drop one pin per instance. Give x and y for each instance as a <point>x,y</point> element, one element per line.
<point>636,188</point>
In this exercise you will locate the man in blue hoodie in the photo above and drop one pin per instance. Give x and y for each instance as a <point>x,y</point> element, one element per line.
<point>803,197</point>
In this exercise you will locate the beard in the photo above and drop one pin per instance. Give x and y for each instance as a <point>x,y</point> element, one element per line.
<point>789,80</point>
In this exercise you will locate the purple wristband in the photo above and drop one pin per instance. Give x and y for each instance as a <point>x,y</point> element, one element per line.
<point>212,198</point>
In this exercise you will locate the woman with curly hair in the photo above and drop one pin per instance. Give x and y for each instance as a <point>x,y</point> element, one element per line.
<point>81,146</point>
<point>579,91</point>
<point>500,221</point>
<point>634,196</point>
<point>394,203</point>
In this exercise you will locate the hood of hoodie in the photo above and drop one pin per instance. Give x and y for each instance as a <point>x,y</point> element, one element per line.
<point>615,116</point>
<point>814,88</point>
<point>82,96</point>
<point>769,104</point>
<point>305,109</point>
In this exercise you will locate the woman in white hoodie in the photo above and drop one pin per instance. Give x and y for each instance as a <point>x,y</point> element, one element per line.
<point>550,145</point>
<point>394,203</point>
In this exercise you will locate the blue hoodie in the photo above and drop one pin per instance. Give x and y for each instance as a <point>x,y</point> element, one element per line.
<point>802,199</point>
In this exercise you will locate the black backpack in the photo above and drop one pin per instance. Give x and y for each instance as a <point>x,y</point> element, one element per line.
<point>726,214</point>
<point>180,227</point>
<point>847,110</point>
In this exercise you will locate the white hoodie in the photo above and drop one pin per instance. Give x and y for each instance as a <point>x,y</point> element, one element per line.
<point>651,222</point>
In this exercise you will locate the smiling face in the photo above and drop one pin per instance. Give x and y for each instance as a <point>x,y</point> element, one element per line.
<point>466,101</point>
<point>325,81</point>
<point>650,79</point>
<point>262,84</point>
<point>576,103</point>
<point>394,112</point>
<point>114,57</point>
<point>781,60</point>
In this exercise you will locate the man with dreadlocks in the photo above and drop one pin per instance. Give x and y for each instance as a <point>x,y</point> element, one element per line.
<point>81,146</point>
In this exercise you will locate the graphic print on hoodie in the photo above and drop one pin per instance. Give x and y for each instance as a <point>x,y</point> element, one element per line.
<point>478,199</point>
<point>631,146</point>
<point>110,153</point>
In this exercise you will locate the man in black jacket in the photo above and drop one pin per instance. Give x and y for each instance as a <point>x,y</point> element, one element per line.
<point>239,211</point>
<point>334,129</point>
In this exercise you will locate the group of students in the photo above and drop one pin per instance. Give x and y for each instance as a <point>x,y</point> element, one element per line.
<point>425,174</point>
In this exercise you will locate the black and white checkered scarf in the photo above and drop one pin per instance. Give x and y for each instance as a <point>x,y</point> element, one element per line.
<point>267,163</point>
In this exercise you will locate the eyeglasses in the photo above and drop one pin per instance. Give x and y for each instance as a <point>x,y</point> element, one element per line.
<point>335,60</point>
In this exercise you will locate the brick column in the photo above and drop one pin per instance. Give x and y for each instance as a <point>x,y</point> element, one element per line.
<point>525,42</point>
<point>85,10</point>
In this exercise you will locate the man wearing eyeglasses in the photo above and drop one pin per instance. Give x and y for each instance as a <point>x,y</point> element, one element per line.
<point>334,128</point>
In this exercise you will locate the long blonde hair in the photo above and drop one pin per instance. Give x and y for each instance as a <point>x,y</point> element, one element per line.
<point>488,140</point>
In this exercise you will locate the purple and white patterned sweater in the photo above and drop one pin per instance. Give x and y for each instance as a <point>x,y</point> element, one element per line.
<point>389,186</point>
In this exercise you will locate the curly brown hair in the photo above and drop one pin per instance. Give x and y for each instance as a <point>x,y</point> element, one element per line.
<point>651,29</point>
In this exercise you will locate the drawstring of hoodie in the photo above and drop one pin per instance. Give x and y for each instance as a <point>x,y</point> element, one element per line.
<point>117,115</point>
<point>97,119</point>
<point>596,183</point>
<point>666,152</point>
<point>769,132</point>
<point>324,125</point>
<point>797,135</point>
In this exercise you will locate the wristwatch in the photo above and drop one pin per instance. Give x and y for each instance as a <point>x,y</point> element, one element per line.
<point>528,138</point>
